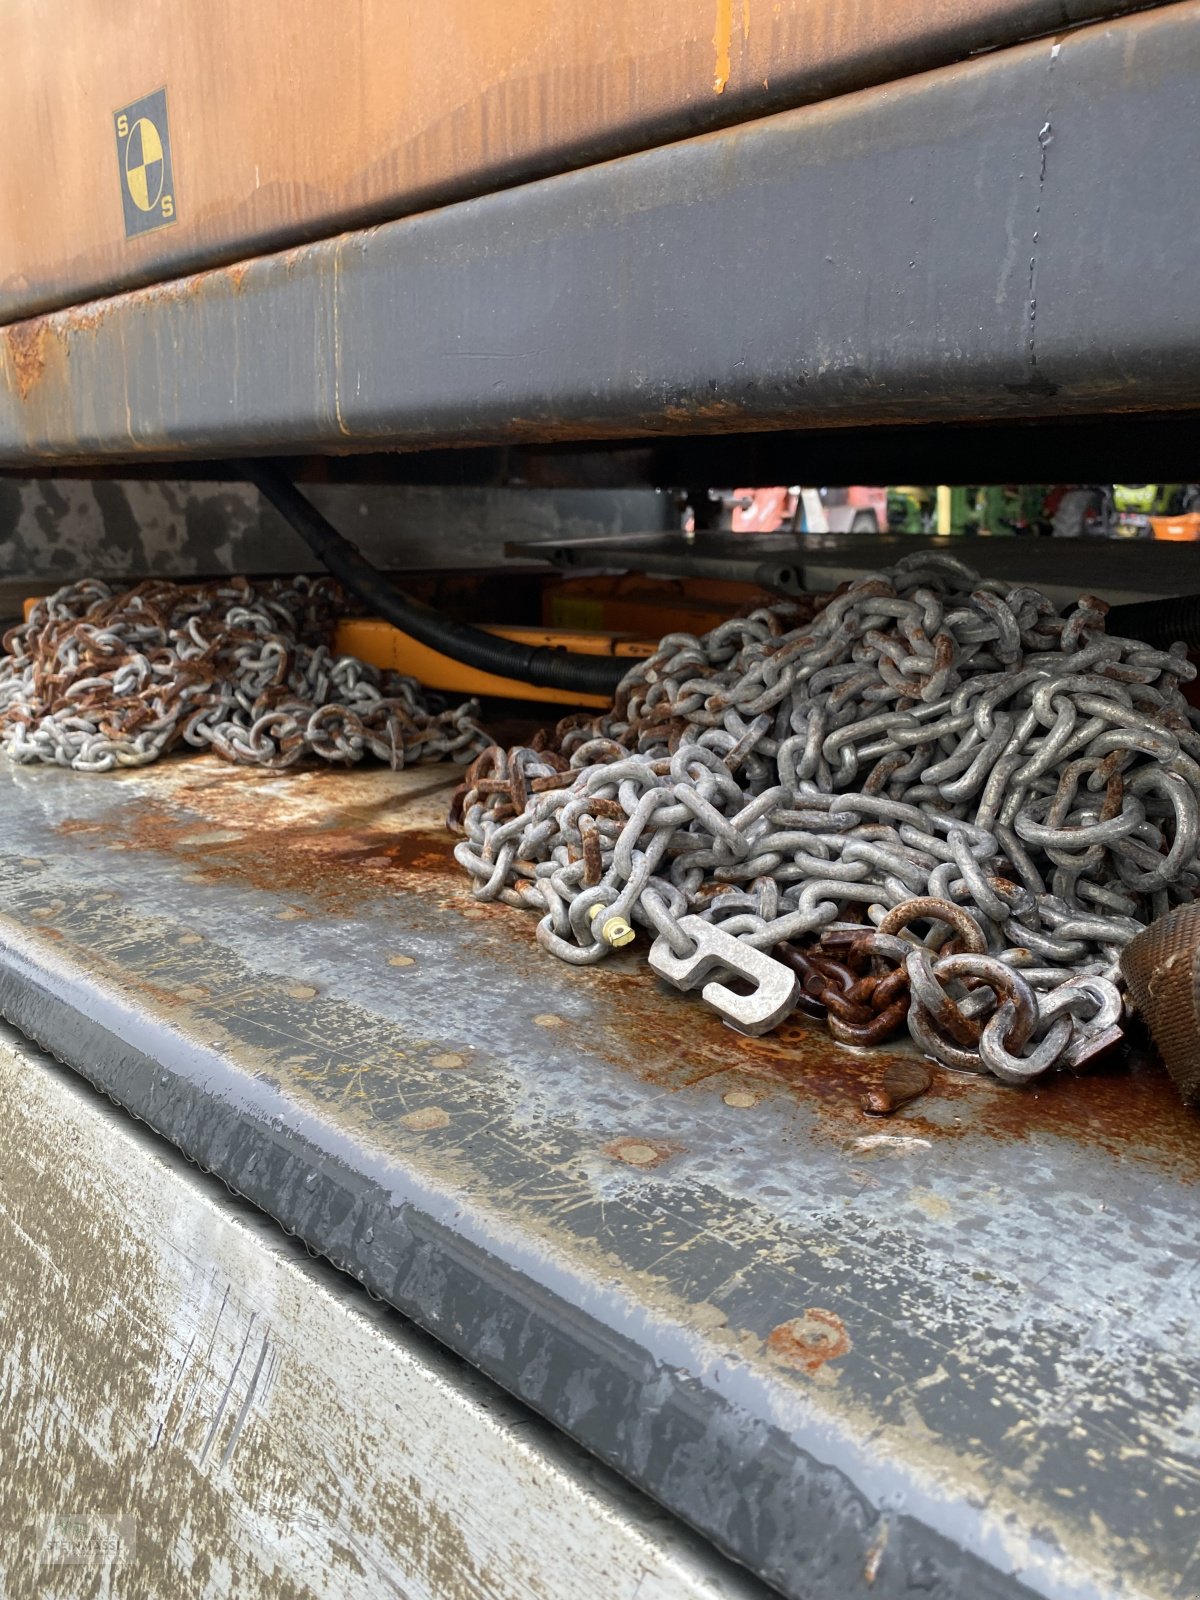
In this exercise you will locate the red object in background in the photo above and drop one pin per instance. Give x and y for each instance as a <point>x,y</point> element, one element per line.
<point>769,510</point>
<point>762,510</point>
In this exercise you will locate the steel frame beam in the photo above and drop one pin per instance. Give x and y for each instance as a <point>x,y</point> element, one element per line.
<point>1012,237</point>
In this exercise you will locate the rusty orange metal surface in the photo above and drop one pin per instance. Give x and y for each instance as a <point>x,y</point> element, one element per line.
<point>291,120</point>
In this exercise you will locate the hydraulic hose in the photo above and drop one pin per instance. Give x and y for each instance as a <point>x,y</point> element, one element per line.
<point>533,664</point>
<point>1158,622</point>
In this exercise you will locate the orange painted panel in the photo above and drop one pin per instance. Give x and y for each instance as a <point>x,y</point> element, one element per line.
<point>286,120</point>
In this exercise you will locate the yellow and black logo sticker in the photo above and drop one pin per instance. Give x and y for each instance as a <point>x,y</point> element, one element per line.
<point>144,157</point>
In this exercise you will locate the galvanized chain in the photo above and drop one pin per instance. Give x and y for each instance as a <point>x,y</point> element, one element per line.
<point>930,749</point>
<point>96,680</point>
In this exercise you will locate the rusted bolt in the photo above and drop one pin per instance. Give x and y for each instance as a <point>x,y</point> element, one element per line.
<point>810,1340</point>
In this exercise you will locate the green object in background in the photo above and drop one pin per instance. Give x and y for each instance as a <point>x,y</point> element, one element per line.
<point>1012,508</point>
<point>1150,499</point>
<point>909,509</point>
<point>996,508</point>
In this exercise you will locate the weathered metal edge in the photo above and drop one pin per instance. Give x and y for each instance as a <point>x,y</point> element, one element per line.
<point>477,1304</point>
<point>130,1181</point>
<point>922,251</point>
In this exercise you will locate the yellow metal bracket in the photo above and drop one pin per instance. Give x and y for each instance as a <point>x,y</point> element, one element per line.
<point>381,645</point>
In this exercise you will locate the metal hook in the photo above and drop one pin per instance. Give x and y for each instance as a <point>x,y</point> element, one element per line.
<point>777,987</point>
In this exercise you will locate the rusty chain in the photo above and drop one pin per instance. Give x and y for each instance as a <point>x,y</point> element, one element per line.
<point>96,680</point>
<point>1004,793</point>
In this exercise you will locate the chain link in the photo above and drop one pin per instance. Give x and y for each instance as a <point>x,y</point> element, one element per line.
<point>96,680</point>
<point>927,750</point>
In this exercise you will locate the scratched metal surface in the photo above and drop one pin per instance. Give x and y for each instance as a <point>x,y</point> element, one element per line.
<point>955,1353</point>
<point>205,1357</point>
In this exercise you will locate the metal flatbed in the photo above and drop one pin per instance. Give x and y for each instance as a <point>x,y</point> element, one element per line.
<point>951,1353</point>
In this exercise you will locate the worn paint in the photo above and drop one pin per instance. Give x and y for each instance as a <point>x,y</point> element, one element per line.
<point>639,1152</point>
<point>257,1424</point>
<point>722,41</point>
<point>25,348</point>
<point>1010,1268</point>
<point>542,312</point>
<point>450,98</point>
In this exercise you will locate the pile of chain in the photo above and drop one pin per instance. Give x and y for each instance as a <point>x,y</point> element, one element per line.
<point>96,680</point>
<point>941,802</point>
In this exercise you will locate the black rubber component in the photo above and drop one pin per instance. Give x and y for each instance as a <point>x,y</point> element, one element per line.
<point>1158,622</point>
<point>538,665</point>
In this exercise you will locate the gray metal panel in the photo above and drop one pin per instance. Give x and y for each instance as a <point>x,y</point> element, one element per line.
<point>239,1419</point>
<point>955,1354</point>
<point>75,528</point>
<point>1014,235</point>
<point>1116,569</point>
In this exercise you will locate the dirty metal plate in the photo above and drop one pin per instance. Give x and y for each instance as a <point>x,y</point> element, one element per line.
<point>916,252</point>
<point>204,1358</point>
<point>955,1351</point>
<point>57,532</point>
<point>431,100</point>
<point>1109,567</point>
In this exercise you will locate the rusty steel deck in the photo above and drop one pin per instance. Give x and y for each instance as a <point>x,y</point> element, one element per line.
<point>955,1352</point>
<point>404,107</point>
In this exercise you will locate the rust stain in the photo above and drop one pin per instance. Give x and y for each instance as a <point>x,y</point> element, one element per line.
<point>722,40</point>
<point>810,1340</point>
<point>1128,1107</point>
<point>26,343</point>
<point>340,838</point>
<point>643,1153</point>
<point>706,411</point>
<point>88,318</point>
<point>335,864</point>
<point>236,273</point>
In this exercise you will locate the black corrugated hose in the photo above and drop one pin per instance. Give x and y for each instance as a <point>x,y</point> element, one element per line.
<point>534,664</point>
<point>1158,622</point>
